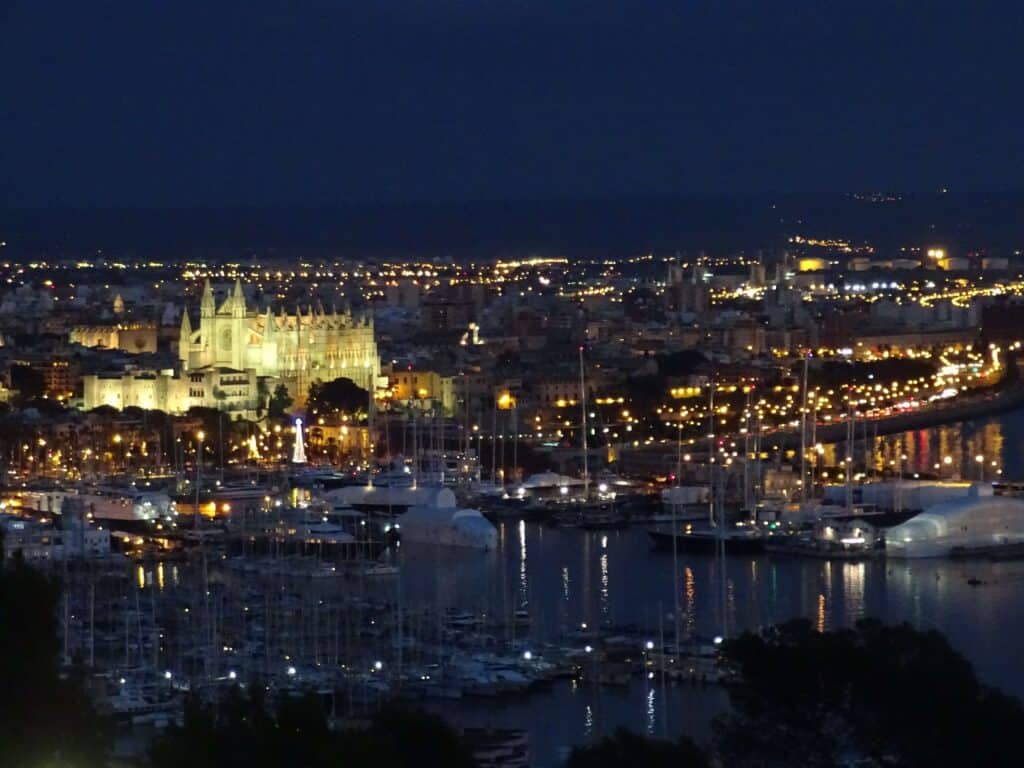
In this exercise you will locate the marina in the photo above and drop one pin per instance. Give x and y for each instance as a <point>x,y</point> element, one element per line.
<point>566,618</point>
<point>505,605</point>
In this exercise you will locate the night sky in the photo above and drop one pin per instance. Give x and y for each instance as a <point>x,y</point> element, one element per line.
<point>175,103</point>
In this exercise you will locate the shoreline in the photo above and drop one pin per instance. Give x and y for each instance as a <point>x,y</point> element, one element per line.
<point>1005,399</point>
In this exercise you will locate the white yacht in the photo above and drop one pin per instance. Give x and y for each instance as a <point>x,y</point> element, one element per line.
<point>126,505</point>
<point>448,526</point>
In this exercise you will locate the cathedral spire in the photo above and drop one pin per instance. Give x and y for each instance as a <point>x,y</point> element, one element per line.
<point>238,299</point>
<point>206,303</point>
<point>185,340</point>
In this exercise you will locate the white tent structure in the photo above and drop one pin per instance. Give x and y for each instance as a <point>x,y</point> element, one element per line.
<point>448,526</point>
<point>979,523</point>
<point>902,494</point>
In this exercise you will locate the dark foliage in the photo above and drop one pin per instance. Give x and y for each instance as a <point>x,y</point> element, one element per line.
<point>28,382</point>
<point>245,734</point>
<point>884,695</point>
<point>683,363</point>
<point>629,750</point>
<point>45,406</point>
<point>833,374</point>
<point>280,401</point>
<point>45,719</point>
<point>340,396</point>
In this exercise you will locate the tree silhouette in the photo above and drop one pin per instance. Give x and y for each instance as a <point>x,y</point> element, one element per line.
<point>28,382</point>
<point>44,718</point>
<point>875,694</point>
<point>243,733</point>
<point>340,396</point>
<point>280,402</point>
<point>625,749</point>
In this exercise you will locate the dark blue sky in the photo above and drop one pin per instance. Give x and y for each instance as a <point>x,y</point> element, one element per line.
<point>170,102</point>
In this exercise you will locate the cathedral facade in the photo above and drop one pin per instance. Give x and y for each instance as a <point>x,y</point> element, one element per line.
<point>237,356</point>
<point>296,349</point>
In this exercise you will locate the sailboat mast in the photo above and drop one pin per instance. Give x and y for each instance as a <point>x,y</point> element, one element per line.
<point>371,455</point>
<point>583,406</point>
<point>803,436</point>
<point>515,440</point>
<point>711,452</point>
<point>494,442</point>
<point>851,434</point>
<point>675,541</point>
<point>746,454</point>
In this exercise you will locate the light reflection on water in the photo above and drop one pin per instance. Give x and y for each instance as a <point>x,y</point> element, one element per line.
<point>853,581</point>
<point>573,578</point>
<point>524,585</point>
<point>949,451</point>
<point>566,577</point>
<point>650,711</point>
<point>690,594</point>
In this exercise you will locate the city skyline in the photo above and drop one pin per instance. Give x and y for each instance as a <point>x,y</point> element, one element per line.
<point>511,383</point>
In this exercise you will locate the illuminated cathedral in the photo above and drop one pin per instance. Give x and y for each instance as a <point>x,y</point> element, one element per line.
<point>296,349</point>
<point>238,356</point>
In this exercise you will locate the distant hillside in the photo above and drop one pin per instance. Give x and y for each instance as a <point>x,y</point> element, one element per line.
<point>488,229</point>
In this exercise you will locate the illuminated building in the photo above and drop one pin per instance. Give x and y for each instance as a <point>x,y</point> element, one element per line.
<point>234,347</point>
<point>295,349</point>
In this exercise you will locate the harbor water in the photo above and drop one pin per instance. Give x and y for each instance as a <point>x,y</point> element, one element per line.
<point>567,578</point>
<point>546,590</point>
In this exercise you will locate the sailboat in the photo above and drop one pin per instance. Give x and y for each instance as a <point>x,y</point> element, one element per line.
<point>716,536</point>
<point>589,511</point>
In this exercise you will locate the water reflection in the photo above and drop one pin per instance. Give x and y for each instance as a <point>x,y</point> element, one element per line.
<point>578,577</point>
<point>853,591</point>
<point>951,451</point>
<point>149,574</point>
<point>524,589</point>
<point>649,720</point>
<point>605,602</point>
<point>691,601</point>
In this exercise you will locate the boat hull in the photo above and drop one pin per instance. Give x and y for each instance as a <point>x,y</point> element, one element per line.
<point>706,542</point>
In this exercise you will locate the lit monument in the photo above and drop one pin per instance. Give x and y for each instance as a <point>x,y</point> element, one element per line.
<point>299,450</point>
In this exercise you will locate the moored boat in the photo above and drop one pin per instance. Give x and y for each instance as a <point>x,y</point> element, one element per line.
<point>708,540</point>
